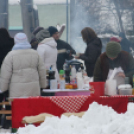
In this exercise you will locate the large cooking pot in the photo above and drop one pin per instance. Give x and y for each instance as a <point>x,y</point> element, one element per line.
<point>75,63</point>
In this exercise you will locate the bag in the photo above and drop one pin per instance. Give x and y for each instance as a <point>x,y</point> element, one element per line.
<point>113,82</point>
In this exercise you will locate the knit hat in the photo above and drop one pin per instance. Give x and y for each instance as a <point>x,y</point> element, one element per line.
<point>52,30</point>
<point>21,42</point>
<point>41,35</point>
<point>20,38</point>
<point>114,39</point>
<point>113,49</point>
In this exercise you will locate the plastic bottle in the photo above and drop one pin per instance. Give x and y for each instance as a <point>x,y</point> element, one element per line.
<point>67,72</point>
<point>49,75</point>
<point>62,79</point>
<point>73,72</point>
<point>80,81</point>
<point>47,78</point>
<point>73,77</point>
<point>53,81</point>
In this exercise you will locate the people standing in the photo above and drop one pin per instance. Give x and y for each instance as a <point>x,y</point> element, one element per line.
<point>93,49</point>
<point>22,71</point>
<point>65,51</point>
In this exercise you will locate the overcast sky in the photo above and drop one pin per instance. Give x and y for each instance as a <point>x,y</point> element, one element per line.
<point>39,1</point>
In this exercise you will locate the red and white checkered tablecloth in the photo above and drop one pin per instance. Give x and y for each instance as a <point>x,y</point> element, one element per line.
<point>58,105</point>
<point>69,104</point>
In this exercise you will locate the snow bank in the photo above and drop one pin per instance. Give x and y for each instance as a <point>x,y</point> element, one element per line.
<point>97,120</point>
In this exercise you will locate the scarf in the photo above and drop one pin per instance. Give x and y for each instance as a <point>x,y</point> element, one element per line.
<point>22,46</point>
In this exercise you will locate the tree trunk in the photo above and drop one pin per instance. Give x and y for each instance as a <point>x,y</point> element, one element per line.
<point>116,3</point>
<point>28,17</point>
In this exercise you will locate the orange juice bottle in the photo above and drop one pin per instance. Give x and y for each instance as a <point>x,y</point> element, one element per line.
<point>66,86</point>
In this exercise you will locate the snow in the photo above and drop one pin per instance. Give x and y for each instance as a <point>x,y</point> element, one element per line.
<point>98,119</point>
<point>5,131</point>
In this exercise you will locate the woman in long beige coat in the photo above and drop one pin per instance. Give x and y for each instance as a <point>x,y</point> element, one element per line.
<point>22,72</point>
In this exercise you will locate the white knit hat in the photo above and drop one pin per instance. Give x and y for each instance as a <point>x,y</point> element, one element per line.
<point>20,38</point>
<point>21,42</point>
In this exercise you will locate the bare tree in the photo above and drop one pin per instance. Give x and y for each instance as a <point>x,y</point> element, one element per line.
<point>104,16</point>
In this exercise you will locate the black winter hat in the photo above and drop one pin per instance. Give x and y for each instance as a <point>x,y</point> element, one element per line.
<point>52,30</point>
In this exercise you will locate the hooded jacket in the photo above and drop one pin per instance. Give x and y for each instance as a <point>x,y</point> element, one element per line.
<point>92,52</point>
<point>47,49</point>
<point>22,71</point>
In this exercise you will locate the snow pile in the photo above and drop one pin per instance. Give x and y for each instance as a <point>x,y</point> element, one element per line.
<point>97,120</point>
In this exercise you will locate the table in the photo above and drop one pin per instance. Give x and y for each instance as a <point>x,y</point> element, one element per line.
<point>58,105</point>
<point>67,92</point>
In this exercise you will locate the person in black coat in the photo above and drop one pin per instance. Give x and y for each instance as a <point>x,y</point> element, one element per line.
<point>66,55</point>
<point>125,43</point>
<point>93,49</point>
<point>6,44</point>
<point>65,51</point>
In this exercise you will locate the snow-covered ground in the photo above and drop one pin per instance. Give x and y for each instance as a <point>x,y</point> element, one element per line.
<point>97,120</point>
<point>5,131</point>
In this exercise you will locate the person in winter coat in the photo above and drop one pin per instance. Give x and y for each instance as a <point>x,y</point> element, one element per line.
<point>47,49</point>
<point>92,51</point>
<point>6,44</point>
<point>65,51</point>
<point>125,43</point>
<point>114,58</point>
<point>22,71</point>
